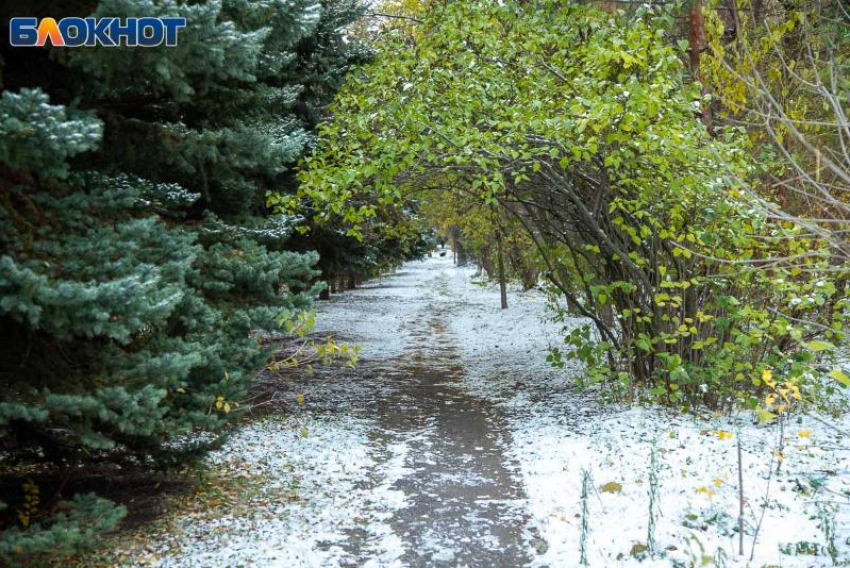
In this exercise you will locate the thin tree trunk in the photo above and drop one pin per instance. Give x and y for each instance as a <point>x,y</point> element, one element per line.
<point>503,285</point>
<point>462,258</point>
<point>740,499</point>
<point>697,43</point>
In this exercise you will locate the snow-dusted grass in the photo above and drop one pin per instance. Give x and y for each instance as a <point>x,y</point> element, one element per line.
<point>698,488</point>
<point>312,481</point>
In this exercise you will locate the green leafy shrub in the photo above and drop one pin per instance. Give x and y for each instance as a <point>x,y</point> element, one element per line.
<point>582,125</point>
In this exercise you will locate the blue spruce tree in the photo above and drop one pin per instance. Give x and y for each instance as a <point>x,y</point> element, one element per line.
<point>136,256</point>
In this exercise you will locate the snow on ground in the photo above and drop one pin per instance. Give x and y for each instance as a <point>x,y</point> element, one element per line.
<point>378,316</point>
<point>557,434</point>
<point>697,489</point>
<point>319,479</point>
<point>359,475</point>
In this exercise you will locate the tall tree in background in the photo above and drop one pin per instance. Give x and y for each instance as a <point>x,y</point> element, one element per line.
<point>135,254</point>
<point>394,235</point>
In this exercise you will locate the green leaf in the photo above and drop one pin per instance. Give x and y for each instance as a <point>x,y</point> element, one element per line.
<point>765,416</point>
<point>840,376</point>
<point>818,345</point>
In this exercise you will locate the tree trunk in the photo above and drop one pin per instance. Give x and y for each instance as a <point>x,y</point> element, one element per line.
<point>503,285</point>
<point>697,43</point>
<point>462,258</point>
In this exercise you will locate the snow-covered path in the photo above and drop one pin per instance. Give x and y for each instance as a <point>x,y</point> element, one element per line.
<point>452,443</point>
<point>463,501</point>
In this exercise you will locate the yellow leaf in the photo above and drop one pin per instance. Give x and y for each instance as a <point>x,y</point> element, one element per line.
<point>718,482</point>
<point>611,487</point>
<point>723,435</point>
<point>226,408</point>
<point>804,433</point>
<point>300,398</point>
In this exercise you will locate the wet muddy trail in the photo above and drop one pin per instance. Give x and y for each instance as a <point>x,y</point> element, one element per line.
<point>463,499</point>
<point>462,495</point>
